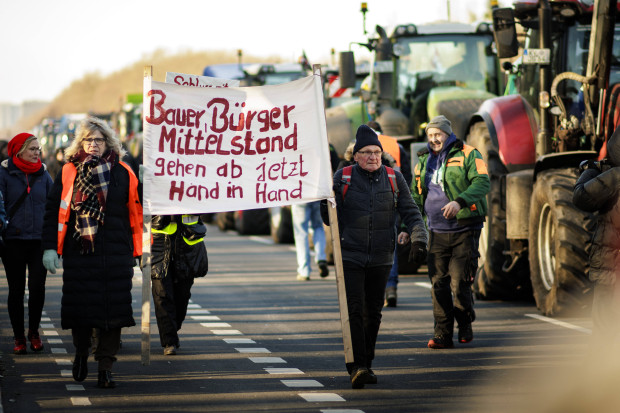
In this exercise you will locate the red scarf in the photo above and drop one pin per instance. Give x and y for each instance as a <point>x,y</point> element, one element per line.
<point>25,166</point>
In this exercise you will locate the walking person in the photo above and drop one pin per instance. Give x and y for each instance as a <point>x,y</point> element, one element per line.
<point>451,183</point>
<point>93,220</point>
<point>368,196</point>
<point>306,216</point>
<point>178,255</point>
<point>401,162</point>
<point>598,190</point>
<point>25,184</point>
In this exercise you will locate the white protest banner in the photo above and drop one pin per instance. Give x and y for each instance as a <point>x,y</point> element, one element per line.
<point>199,81</point>
<point>224,149</point>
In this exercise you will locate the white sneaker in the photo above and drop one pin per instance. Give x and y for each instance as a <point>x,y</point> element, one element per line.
<point>303,277</point>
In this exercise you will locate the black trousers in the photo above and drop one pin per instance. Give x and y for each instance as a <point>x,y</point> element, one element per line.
<point>365,291</point>
<point>452,265</point>
<point>170,297</point>
<point>17,256</point>
<point>108,342</point>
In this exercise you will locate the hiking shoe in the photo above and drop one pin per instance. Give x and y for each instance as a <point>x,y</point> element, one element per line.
<point>466,334</point>
<point>439,342</point>
<point>20,346</point>
<point>170,350</point>
<point>80,368</point>
<point>105,380</point>
<point>360,377</point>
<point>323,269</point>
<point>35,341</point>
<point>373,377</point>
<point>390,297</point>
<point>303,277</point>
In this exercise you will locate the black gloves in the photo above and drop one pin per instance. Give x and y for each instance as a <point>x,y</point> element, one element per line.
<point>417,254</point>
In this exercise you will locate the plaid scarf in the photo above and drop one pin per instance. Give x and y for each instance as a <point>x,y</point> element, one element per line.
<point>91,183</point>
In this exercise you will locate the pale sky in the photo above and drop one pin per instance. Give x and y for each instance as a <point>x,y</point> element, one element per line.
<point>45,45</point>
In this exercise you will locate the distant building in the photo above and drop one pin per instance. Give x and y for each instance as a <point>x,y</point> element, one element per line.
<point>10,113</point>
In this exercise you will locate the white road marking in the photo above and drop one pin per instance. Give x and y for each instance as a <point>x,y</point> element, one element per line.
<point>321,397</point>
<point>204,317</point>
<point>239,341</point>
<point>197,311</point>
<point>213,325</point>
<point>283,370</point>
<point>342,411</point>
<point>54,341</point>
<point>265,360</point>
<point>80,401</point>
<point>301,383</point>
<point>227,332</point>
<point>560,323</point>
<point>252,350</point>
<point>66,373</point>
<point>267,241</point>
<point>64,362</point>
<point>50,333</point>
<point>57,350</point>
<point>47,325</point>
<point>75,387</point>
<point>425,284</point>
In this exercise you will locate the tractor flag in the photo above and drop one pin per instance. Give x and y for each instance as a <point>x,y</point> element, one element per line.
<point>210,149</point>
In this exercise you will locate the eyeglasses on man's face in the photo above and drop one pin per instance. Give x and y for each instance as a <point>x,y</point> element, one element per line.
<point>95,141</point>
<point>370,153</point>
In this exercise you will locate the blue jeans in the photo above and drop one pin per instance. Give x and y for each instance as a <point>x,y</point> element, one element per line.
<point>306,216</point>
<point>393,277</point>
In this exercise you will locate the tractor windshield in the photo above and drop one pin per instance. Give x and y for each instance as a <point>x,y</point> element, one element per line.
<point>429,61</point>
<point>577,58</point>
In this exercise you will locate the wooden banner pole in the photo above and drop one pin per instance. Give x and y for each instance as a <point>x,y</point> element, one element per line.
<point>146,273</point>
<point>342,295</point>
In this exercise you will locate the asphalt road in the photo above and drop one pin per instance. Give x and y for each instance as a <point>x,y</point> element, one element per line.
<point>256,339</point>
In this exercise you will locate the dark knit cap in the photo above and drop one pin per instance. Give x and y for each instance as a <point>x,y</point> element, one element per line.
<point>365,136</point>
<point>440,122</point>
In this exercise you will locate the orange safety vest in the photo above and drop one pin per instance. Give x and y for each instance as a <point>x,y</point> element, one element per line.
<point>390,145</point>
<point>69,173</point>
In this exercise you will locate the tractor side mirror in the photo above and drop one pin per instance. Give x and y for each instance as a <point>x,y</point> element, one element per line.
<point>505,33</point>
<point>346,69</point>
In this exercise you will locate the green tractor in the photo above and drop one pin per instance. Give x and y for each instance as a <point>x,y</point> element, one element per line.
<point>417,73</point>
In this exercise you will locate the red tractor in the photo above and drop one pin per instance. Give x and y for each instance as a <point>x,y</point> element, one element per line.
<point>567,76</point>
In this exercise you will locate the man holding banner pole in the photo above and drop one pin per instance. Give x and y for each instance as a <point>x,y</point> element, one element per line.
<point>368,196</point>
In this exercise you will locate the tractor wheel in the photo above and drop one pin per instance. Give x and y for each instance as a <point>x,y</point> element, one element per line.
<point>492,280</point>
<point>252,222</point>
<point>281,223</point>
<point>559,244</point>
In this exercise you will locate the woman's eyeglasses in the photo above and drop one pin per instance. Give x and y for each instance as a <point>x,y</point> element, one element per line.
<point>96,141</point>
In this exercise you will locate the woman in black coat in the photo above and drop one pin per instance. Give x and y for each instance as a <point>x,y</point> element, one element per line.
<point>98,237</point>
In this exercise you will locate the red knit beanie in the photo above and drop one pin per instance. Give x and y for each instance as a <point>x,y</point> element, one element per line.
<point>17,142</point>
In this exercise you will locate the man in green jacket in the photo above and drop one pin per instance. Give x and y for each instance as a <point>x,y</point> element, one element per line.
<point>451,183</point>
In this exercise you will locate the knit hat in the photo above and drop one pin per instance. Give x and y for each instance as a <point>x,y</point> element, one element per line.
<point>365,136</point>
<point>17,142</point>
<point>440,122</point>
